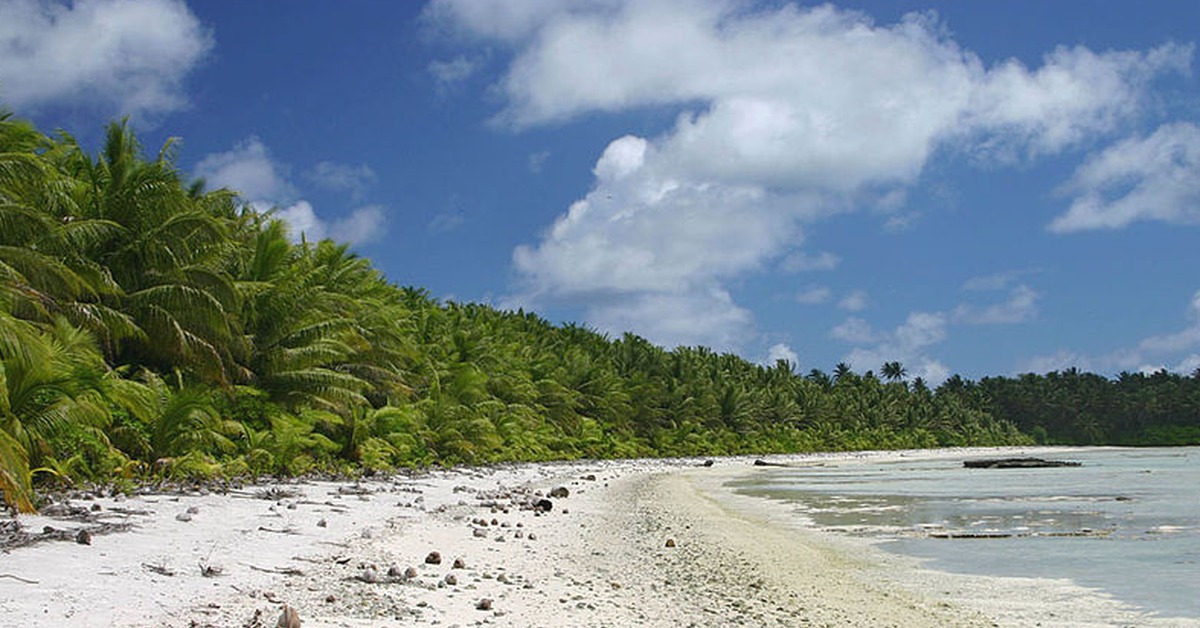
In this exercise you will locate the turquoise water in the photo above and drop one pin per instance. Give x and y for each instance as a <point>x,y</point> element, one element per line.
<point>1126,522</point>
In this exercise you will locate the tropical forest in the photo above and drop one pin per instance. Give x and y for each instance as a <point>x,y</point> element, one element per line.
<point>154,329</point>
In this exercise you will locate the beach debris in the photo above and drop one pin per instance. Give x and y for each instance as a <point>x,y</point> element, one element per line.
<point>368,575</point>
<point>764,463</point>
<point>288,530</point>
<point>434,558</point>
<point>158,568</point>
<point>83,537</point>
<point>484,604</point>
<point>210,571</point>
<point>286,571</point>
<point>479,533</point>
<point>18,578</point>
<point>560,492</point>
<point>1018,463</point>
<point>277,493</point>
<point>289,618</point>
<point>670,543</point>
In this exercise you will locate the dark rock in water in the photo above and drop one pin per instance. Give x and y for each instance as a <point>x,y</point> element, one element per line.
<point>1017,463</point>
<point>707,463</point>
<point>543,505</point>
<point>560,492</point>
<point>434,558</point>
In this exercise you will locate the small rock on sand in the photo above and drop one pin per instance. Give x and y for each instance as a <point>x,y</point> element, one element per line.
<point>289,618</point>
<point>560,492</point>
<point>484,605</point>
<point>670,542</point>
<point>434,558</point>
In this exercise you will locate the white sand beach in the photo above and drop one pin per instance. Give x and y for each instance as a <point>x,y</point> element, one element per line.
<point>634,543</point>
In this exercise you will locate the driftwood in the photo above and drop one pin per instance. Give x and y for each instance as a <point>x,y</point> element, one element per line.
<point>18,578</point>
<point>1017,463</point>
<point>277,530</point>
<point>287,571</point>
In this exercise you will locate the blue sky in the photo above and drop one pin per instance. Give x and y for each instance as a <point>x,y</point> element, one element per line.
<point>966,187</point>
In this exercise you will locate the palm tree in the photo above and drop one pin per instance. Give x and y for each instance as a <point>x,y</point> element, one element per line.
<point>893,371</point>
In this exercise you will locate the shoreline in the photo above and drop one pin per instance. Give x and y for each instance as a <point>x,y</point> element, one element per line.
<point>599,557</point>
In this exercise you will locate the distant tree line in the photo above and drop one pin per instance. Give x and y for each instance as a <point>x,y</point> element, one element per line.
<point>151,328</point>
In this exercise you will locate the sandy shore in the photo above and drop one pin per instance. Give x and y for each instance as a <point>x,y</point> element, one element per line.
<point>634,543</point>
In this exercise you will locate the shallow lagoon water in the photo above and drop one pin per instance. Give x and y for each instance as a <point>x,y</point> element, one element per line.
<point>1126,522</point>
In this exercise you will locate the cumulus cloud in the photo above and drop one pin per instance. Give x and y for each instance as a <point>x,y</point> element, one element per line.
<point>799,261</point>
<point>908,343</point>
<point>814,295</point>
<point>249,170</point>
<point>1175,351</point>
<point>700,317</point>
<point>259,180</point>
<point>127,56</point>
<point>781,351</point>
<point>343,177</point>
<point>449,74</point>
<point>1141,178</point>
<point>1019,308</point>
<point>755,151</point>
<point>854,302</point>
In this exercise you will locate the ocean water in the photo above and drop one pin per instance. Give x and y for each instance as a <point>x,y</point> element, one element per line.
<point>1127,521</point>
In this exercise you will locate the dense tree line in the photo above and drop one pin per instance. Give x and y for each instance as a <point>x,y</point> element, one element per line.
<point>1075,408</point>
<point>150,327</point>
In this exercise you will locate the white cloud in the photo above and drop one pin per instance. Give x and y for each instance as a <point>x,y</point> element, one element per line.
<point>800,261</point>
<point>1148,355</point>
<point>250,170</point>
<point>854,302</point>
<point>700,317</point>
<point>361,226</point>
<point>781,351</point>
<point>854,330</point>
<point>127,56</point>
<point>449,74</point>
<point>538,160</point>
<point>1020,307</point>
<point>814,295</point>
<point>908,344</point>
<point>1058,361</point>
<point>756,151</point>
<point>1151,178</point>
<point>343,177</point>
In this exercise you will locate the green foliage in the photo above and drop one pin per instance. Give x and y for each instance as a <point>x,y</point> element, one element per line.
<point>151,327</point>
